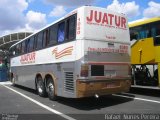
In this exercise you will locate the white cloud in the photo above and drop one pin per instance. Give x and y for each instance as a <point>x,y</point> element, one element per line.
<point>153,10</point>
<point>70,3</point>
<point>29,1</point>
<point>129,8</point>
<point>11,13</point>
<point>35,20</point>
<point>57,11</point>
<point>14,19</point>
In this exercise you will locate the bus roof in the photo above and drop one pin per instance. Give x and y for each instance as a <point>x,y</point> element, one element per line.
<point>144,21</point>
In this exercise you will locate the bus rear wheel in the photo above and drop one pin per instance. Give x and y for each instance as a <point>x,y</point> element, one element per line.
<point>51,89</point>
<point>40,87</point>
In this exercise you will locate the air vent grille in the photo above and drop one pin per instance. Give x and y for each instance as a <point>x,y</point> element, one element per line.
<point>69,82</point>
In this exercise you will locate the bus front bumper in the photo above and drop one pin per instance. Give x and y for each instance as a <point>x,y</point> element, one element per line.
<point>86,88</point>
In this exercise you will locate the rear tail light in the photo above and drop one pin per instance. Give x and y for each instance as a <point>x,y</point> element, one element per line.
<point>84,70</point>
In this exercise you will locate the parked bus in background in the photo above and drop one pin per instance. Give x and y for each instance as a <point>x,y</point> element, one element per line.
<point>83,54</point>
<point>145,53</point>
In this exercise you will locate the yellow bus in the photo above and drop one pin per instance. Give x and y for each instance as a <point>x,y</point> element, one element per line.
<point>145,52</point>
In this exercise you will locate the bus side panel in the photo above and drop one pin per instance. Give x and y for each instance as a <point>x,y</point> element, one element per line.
<point>58,60</point>
<point>64,73</point>
<point>24,76</point>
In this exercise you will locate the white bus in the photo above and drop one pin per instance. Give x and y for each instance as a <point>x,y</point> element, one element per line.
<point>85,53</point>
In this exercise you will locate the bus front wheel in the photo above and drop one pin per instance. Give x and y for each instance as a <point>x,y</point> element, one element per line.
<point>51,89</point>
<point>41,87</point>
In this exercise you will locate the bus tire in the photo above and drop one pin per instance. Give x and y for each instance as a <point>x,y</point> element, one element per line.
<point>51,89</point>
<point>40,87</point>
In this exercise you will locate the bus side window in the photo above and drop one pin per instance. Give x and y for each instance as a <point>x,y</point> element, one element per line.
<point>20,49</point>
<point>61,34</point>
<point>52,35</point>
<point>12,52</point>
<point>158,29</point>
<point>67,29</point>
<point>39,40</point>
<point>23,47</point>
<point>27,45</point>
<point>17,49</point>
<point>70,28</point>
<point>35,42</point>
<point>133,34</point>
<point>153,31</point>
<point>143,32</point>
<point>31,44</point>
<point>45,38</point>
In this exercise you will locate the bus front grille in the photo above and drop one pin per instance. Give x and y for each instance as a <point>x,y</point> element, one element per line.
<point>69,82</point>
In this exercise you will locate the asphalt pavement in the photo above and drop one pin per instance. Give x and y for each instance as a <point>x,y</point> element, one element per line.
<point>24,104</point>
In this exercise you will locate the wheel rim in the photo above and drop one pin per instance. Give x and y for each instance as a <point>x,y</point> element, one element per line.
<point>39,90</point>
<point>51,88</point>
<point>40,87</point>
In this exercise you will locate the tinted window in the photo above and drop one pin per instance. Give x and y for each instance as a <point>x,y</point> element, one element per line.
<point>45,38</point>
<point>27,45</point>
<point>61,31</point>
<point>71,28</point>
<point>52,35</point>
<point>23,47</point>
<point>39,40</point>
<point>140,32</point>
<point>145,31</point>
<point>18,49</point>
<point>155,29</point>
<point>31,44</point>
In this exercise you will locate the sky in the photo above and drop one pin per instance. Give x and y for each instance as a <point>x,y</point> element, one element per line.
<point>31,15</point>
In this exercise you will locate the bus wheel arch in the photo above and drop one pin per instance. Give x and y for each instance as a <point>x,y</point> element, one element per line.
<point>50,87</point>
<point>40,85</point>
